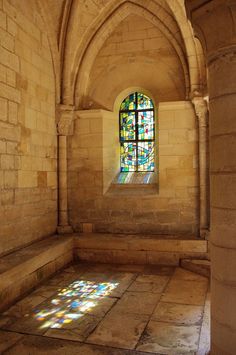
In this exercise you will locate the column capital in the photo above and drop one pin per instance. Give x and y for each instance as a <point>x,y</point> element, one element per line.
<point>65,120</point>
<point>201,109</point>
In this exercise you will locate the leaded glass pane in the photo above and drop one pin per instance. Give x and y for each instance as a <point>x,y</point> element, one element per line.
<point>144,102</point>
<point>137,133</point>
<point>127,124</point>
<point>128,156</point>
<point>146,156</point>
<point>129,103</point>
<point>145,125</point>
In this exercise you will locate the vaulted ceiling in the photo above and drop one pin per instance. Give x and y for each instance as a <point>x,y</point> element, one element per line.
<point>77,30</point>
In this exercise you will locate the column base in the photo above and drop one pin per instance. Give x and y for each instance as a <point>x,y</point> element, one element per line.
<point>204,233</point>
<point>64,229</point>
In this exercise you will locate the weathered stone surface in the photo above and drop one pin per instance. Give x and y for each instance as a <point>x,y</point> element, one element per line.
<point>163,208</point>
<point>186,292</point>
<point>8,339</point>
<point>27,124</point>
<point>119,319</point>
<point>136,303</point>
<point>137,249</point>
<point>170,339</point>
<point>119,330</point>
<point>22,270</point>
<point>178,313</point>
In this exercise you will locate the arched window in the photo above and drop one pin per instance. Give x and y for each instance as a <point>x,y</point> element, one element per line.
<point>137,134</point>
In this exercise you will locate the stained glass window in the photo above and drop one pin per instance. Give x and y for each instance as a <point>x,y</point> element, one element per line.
<point>137,133</point>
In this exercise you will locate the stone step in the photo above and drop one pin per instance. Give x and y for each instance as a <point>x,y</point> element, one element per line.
<point>138,249</point>
<point>201,267</point>
<point>22,270</point>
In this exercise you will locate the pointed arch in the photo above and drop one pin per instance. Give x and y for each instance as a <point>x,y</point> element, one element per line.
<point>92,42</point>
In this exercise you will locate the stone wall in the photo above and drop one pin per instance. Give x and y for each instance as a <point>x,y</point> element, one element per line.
<point>136,54</point>
<point>170,207</point>
<point>28,142</point>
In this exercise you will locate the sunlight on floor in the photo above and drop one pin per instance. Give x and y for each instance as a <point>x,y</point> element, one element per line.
<point>71,303</point>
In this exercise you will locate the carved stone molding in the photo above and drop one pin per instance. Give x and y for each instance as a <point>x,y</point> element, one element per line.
<point>65,120</point>
<point>201,109</point>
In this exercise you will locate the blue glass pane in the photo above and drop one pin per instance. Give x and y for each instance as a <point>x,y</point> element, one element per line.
<point>146,156</point>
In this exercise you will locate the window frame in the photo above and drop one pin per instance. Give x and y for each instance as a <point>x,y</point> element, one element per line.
<point>136,140</point>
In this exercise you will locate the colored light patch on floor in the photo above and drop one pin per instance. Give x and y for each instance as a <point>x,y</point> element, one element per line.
<point>72,302</point>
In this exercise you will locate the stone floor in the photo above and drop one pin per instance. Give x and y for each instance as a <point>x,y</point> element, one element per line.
<point>111,310</point>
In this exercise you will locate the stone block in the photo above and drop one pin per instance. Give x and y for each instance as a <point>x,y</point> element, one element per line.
<point>168,162</point>
<point>7,197</point>
<point>27,179</point>
<point>10,60</point>
<point>52,179</point>
<point>9,132</point>
<point>10,178</point>
<point>223,147</point>
<point>223,298</point>
<point>3,146</point>
<point>223,190</point>
<point>3,74</point>
<point>11,27</point>
<point>87,228</point>
<point>12,147</point>
<point>162,258</point>
<point>42,178</point>
<point>12,112</point>
<point>7,162</point>
<point>178,136</point>
<point>7,40</point>
<point>3,109</point>
<point>129,46</point>
<point>3,20</point>
<point>10,93</point>
<point>82,126</point>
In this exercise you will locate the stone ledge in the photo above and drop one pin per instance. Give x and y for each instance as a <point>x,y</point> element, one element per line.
<point>160,243</point>
<point>23,269</point>
<point>137,249</point>
<point>201,267</point>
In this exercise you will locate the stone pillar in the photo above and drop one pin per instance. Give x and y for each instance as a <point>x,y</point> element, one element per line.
<point>201,110</point>
<point>215,22</point>
<point>65,128</point>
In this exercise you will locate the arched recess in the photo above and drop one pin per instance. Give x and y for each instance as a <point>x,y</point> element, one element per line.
<point>88,49</point>
<point>109,26</point>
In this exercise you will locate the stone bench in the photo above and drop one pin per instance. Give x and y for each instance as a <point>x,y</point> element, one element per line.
<point>138,249</point>
<point>22,270</point>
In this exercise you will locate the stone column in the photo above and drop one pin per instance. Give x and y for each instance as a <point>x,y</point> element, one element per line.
<point>215,23</point>
<point>201,110</point>
<point>65,128</point>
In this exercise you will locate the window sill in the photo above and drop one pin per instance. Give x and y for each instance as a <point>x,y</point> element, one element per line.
<point>134,184</point>
<point>135,178</point>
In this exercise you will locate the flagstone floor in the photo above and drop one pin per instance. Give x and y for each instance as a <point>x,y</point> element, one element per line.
<point>111,310</point>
